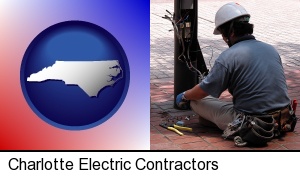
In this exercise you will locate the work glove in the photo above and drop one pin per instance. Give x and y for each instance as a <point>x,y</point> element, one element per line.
<point>182,102</point>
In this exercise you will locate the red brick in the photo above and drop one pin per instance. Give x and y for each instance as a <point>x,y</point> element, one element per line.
<point>209,147</point>
<point>187,140</point>
<point>164,146</point>
<point>156,123</point>
<point>158,139</point>
<point>213,139</point>
<point>155,119</point>
<point>287,139</point>
<point>223,143</point>
<point>154,114</point>
<point>167,132</point>
<point>156,110</point>
<point>194,146</point>
<point>153,130</point>
<point>292,146</point>
<point>186,135</point>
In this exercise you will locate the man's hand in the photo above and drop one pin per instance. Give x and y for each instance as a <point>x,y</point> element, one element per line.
<point>182,102</point>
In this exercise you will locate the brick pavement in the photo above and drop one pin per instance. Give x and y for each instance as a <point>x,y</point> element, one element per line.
<point>277,24</point>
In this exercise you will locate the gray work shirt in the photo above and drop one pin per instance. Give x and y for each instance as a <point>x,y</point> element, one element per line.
<point>252,72</point>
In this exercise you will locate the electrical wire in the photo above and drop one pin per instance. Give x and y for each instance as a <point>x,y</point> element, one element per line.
<point>187,59</point>
<point>185,17</point>
<point>183,51</point>
<point>201,77</point>
<point>171,18</point>
<point>212,53</point>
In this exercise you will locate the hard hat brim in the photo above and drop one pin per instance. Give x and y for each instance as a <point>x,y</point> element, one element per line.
<point>216,32</point>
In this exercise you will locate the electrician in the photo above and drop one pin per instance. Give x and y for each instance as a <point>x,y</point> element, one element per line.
<point>251,70</point>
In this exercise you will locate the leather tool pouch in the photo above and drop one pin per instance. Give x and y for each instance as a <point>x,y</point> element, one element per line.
<point>285,121</point>
<point>258,130</point>
<point>255,130</point>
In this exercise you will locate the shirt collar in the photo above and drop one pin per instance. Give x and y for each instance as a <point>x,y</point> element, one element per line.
<point>246,37</point>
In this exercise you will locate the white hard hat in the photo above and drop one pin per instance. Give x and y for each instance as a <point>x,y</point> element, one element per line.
<point>228,12</point>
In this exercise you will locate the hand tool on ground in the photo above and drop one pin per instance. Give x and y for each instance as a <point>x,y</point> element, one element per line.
<point>182,128</point>
<point>175,128</point>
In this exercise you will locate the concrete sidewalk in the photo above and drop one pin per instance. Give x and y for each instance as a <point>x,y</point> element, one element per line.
<point>277,24</point>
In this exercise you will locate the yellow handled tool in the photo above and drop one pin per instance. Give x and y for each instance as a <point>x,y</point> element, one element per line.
<point>175,130</point>
<point>164,125</point>
<point>182,128</point>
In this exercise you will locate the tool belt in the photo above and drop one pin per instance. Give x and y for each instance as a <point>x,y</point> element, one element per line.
<point>251,129</point>
<point>259,129</point>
